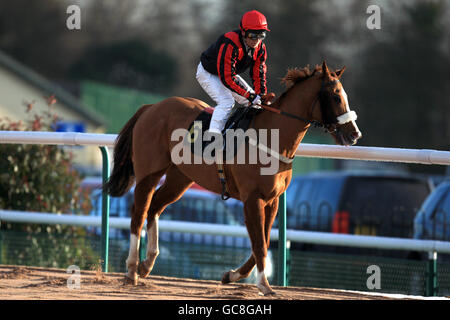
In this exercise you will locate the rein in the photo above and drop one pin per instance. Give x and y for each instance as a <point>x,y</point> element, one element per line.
<point>287,114</point>
<point>316,123</point>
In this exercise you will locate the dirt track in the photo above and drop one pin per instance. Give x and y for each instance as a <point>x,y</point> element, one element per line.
<point>29,283</point>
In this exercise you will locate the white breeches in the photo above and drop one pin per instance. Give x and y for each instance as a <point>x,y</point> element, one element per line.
<point>223,96</point>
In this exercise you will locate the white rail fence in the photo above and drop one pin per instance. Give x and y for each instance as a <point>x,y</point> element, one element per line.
<point>422,156</point>
<point>313,237</point>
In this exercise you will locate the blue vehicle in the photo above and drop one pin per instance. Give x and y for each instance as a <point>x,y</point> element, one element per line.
<point>432,222</point>
<point>356,202</point>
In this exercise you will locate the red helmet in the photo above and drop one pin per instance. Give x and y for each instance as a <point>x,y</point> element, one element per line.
<point>253,20</point>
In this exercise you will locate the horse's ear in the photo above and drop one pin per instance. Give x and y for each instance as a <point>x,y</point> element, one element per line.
<point>340,72</point>
<point>325,70</point>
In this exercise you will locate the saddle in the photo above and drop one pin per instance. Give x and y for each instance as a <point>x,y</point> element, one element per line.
<point>241,118</point>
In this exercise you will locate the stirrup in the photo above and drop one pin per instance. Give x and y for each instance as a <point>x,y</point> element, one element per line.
<point>225,195</point>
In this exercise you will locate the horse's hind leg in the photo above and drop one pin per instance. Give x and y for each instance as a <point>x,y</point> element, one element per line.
<point>142,197</point>
<point>175,185</point>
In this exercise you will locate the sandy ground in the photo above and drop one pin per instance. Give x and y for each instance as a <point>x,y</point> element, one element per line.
<point>33,283</point>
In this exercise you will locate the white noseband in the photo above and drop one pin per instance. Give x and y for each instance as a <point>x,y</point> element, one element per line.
<point>347,117</point>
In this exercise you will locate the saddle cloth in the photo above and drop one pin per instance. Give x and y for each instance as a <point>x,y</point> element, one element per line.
<point>241,118</point>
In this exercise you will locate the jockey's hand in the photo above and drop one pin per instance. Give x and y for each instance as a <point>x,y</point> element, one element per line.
<point>254,99</point>
<point>268,98</point>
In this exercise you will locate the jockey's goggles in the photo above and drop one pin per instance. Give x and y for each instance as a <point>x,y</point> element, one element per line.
<point>255,35</point>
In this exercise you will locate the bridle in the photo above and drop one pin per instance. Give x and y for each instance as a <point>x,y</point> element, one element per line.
<point>329,127</point>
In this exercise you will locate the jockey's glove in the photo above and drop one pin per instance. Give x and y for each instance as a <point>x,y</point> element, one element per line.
<point>254,99</point>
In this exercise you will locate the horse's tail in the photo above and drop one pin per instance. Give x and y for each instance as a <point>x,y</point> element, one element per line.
<point>122,176</point>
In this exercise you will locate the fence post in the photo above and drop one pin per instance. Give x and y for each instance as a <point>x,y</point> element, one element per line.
<point>105,210</point>
<point>431,282</point>
<point>282,240</point>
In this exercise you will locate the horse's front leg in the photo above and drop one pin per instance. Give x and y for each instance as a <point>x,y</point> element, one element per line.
<point>245,270</point>
<point>254,210</point>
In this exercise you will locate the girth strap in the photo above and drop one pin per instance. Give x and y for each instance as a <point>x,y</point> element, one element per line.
<point>273,153</point>
<point>225,195</point>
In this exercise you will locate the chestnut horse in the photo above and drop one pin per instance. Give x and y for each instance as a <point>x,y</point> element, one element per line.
<point>143,154</point>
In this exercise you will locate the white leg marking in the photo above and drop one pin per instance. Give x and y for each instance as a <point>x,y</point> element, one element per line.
<point>260,277</point>
<point>262,283</point>
<point>235,276</point>
<point>152,245</point>
<point>133,253</point>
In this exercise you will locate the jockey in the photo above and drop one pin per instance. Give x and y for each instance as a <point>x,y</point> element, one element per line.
<point>233,53</point>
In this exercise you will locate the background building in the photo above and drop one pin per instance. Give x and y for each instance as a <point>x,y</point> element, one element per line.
<point>21,86</point>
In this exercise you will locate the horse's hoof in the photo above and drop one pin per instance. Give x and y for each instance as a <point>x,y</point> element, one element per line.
<point>128,281</point>
<point>266,291</point>
<point>226,278</point>
<point>143,271</point>
<point>270,293</point>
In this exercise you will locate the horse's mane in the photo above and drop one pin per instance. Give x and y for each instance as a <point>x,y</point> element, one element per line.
<point>296,75</point>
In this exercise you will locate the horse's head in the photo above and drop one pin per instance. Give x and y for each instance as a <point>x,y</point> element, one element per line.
<point>334,112</point>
